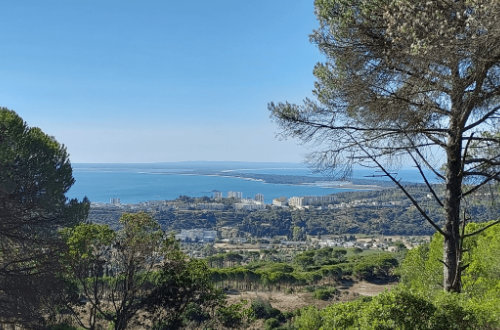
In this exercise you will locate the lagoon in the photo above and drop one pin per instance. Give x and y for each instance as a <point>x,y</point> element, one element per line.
<point>134,183</point>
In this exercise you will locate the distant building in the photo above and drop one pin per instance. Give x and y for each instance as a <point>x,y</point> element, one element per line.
<point>249,204</point>
<point>282,201</point>
<point>206,206</point>
<point>217,194</point>
<point>197,235</point>
<point>114,201</point>
<point>259,198</point>
<point>317,200</point>
<point>235,194</point>
<point>297,202</point>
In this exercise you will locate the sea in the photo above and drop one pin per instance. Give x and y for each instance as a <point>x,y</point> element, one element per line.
<point>135,183</point>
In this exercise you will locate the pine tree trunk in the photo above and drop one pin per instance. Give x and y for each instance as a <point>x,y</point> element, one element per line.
<point>451,248</point>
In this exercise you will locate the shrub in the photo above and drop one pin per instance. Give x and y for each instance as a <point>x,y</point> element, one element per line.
<point>195,313</point>
<point>452,313</point>
<point>309,319</point>
<point>261,309</point>
<point>271,323</point>
<point>376,267</point>
<point>398,309</point>
<point>343,316</point>
<point>233,315</point>
<point>324,293</point>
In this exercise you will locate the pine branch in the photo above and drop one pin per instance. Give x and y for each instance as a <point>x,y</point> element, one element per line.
<point>482,229</point>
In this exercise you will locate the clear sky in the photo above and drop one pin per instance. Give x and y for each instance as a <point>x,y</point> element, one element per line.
<point>162,80</point>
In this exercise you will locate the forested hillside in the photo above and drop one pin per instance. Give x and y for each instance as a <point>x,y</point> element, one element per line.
<point>386,212</point>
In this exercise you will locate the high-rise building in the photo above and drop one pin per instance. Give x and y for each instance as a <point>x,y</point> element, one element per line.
<point>282,201</point>
<point>114,201</point>
<point>259,198</point>
<point>217,194</point>
<point>297,202</point>
<point>235,194</point>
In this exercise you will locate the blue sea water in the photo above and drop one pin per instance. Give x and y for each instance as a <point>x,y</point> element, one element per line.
<point>134,183</point>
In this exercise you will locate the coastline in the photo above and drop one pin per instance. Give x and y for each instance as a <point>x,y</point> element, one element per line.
<point>137,183</point>
<point>249,177</point>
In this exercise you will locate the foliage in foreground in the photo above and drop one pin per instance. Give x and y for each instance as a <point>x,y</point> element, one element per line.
<point>35,174</point>
<point>391,310</point>
<point>135,269</point>
<point>419,302</point>
<point>421,271</point>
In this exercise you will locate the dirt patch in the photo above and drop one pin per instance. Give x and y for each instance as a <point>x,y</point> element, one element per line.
<point>364,288</point>
<point>280,300</point>
<point>348,290</point>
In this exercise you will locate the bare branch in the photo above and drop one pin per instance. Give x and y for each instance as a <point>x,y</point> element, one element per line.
<point>487,161</point>
<point>482,119</point>
<point>403,189</point>
<point>485,181</point>
<point>429,186</point>
<point>466,149</point>
<point>482,229</point>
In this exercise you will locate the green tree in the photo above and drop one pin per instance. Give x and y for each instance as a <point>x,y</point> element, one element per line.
<point>397,309</point>
<point>309,319</point>
<point>407,79</point>
<point>421,273</point>
<point>181,285</point>
<point>87,259</point>
<point>234,316</point>
<point>135,253</point>
<point>35,174</point>
<point>135,269</point>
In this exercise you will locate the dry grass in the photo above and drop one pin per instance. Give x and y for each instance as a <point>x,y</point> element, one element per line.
<point>289,302</point>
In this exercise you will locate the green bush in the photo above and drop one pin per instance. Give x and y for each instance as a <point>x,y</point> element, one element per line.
<point>233,315</point>
<point>376,267</point>
<point>422,274</point>
<point>271,323</point>
<point>324,293</point>
<point>452,312</point>
<point>309,319</point>
<point>261,309</point>
<point>400,310</point>
<point>343,316</point>
<point>194,313</point>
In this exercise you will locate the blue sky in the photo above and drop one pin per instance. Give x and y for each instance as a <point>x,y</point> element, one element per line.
<point>151,81</point>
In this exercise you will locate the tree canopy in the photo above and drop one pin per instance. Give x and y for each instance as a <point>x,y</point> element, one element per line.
<point>405,79</point>
<point>35,174</point>
<point>136,269</point>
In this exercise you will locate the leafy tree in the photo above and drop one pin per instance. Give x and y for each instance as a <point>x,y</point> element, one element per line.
<point>135,253</point>
<point>35,174</point>
<point>421,273</point>
<point>114,269</point>
<point>181,286</point>
<point>397,309</point>
<point>235,315</point>
<point>309,319</point>
<point>87,260</point>
<point>262,309</point>
<point>135,269</point>
<point>376,267</point>
<point>408,79</point>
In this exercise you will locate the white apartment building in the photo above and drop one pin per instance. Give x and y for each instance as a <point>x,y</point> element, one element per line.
<point>297,202</point>
<point>281,201</point>
<point>217,194</point>
<point>235,194</point>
